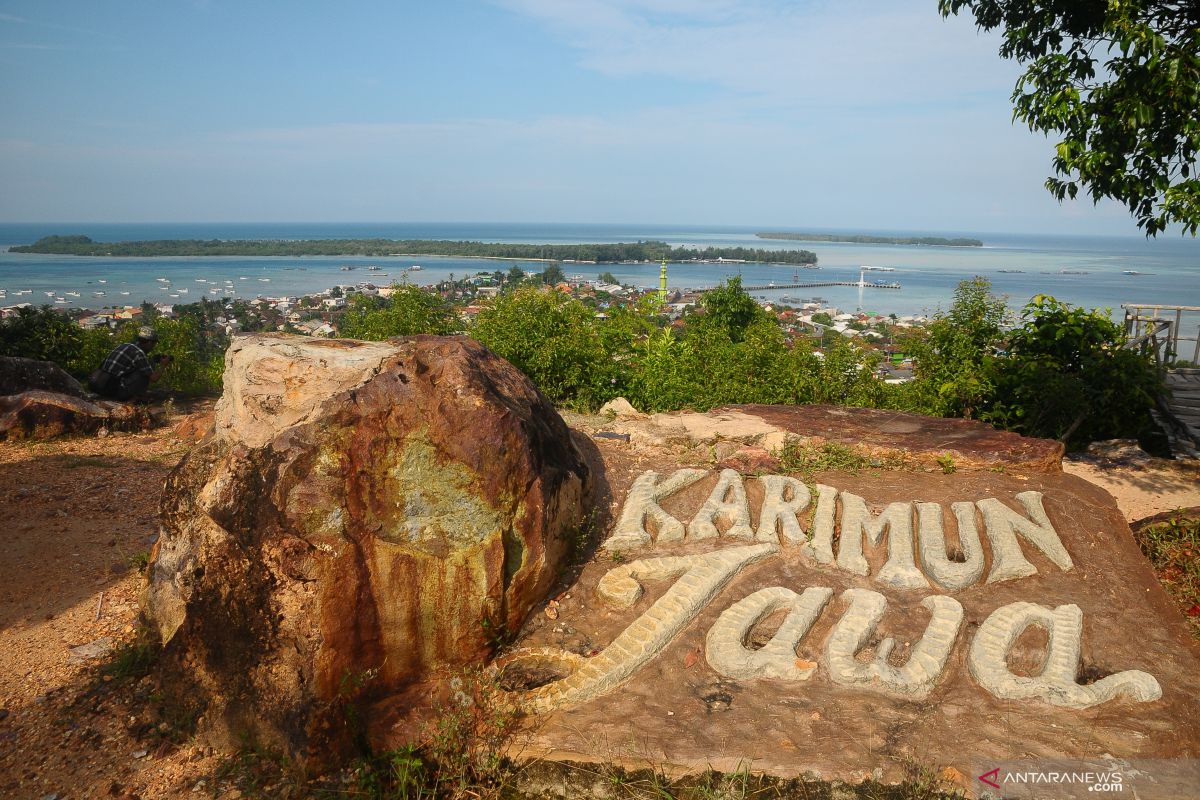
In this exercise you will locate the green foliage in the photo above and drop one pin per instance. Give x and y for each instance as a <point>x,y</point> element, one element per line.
<point>798,456</point>
<point>41,334</point>
<point>1120,83</point>
<point>605,253</point>
<point>607,277</point>
<point>730,309</point>
<point>132,660</point>
<point>953,372</point>
<point>946,462</point>
<point>553,275</point>
<point>197,359</point>
<point>1173,547</point>
<point>552,339</point>
<point>733,353</point>
<point>409,311</point>
<point>1067,376</point>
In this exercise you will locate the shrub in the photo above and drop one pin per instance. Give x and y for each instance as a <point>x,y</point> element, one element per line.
<point>554,340</point>
<point>409,311</point>
<point>953,370</point>
<point>1067,376</point>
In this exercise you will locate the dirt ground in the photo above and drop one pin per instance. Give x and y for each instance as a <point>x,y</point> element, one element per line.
<point>77,518</point>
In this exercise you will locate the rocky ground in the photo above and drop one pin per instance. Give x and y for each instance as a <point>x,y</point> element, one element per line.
<point>77,519</point>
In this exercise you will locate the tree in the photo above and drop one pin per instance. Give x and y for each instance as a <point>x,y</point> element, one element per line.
<point>41,334</point>
<point>952,364</point>
<point>729,308</point>
<point>607,277</point>
<point>1068,376</point>
<point>553,339</point>
<point>407,312</point>
<point>516,276</point>
<point>553,275</point>
<point>1119,81</point>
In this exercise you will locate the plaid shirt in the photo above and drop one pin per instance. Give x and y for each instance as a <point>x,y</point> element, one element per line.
<point>127,359</point>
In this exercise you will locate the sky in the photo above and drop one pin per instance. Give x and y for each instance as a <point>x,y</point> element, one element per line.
<point>830,114</point>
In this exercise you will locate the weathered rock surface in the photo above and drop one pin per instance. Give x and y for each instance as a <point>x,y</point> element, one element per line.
<point>920,441</point>
<point>37,414</point>
<point>19,375</point>
<point>840,623</point>
<point>363,515</point>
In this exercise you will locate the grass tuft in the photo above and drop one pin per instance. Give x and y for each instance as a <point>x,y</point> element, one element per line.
<point>1173,547</point>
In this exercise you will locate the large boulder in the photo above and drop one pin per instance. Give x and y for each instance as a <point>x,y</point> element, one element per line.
<point>362,516</point>
<point>37,414</point>
<point>19,375</point>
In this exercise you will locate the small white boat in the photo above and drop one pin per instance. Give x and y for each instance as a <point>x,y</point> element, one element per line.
<point>243,278</point>
<point>162,280</point>
<point>60,301</point>
<point>102,280</point>
<point>174,295</point>
<point>49,294</point>
<point>181,290</point>
<point>265,280</point>
<point>416,268</point>
<point>97,294</point>
<point>125,293</point>
<point>72,294</point>
<point>201,280</point>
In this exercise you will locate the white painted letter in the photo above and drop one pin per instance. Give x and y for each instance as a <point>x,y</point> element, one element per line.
<point>736,511</point>
<point>820,549</point>
<point>777,658</point>
<point>926,662</point>
<point>950,575</point>
<point>642,501</point>
<point>701,577</point>
<point>1056,685</point>
<point>778,510</point>
<point>1002,525</point>
<point>857,522</point>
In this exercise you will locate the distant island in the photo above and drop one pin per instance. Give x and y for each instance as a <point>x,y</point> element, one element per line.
<point>929,241</point>
<point>584,253</point>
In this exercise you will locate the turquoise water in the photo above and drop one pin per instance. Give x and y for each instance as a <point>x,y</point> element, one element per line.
<point>1169,266</point>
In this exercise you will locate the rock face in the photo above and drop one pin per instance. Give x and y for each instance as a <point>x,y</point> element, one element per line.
<point>363,515</point>
<point>843,622</point>
<point>40,415</point>
<point>38,400</point>
<point>19,375</point>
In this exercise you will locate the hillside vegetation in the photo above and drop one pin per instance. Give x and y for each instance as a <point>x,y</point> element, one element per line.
<point>592,253</point>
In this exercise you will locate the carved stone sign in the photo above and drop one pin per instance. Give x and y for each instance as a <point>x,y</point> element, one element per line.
<point>858,622</point>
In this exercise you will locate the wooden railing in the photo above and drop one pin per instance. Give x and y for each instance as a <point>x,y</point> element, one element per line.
<point>1163,326</point>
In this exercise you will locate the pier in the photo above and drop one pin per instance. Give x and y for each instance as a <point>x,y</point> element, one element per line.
<point>857,284</point>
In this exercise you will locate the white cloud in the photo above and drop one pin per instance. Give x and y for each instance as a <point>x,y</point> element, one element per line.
<point>857,52</point>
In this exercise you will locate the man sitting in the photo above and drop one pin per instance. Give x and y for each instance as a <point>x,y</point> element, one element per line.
<point>127,371</point>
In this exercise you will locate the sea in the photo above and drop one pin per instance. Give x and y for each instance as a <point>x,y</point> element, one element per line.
<point>1105,272</point>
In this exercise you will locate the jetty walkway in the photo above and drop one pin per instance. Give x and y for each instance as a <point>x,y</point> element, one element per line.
<point>1162,327</point>
<point>820,285</point>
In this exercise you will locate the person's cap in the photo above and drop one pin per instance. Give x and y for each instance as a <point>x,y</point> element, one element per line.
<point>147,333</point>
